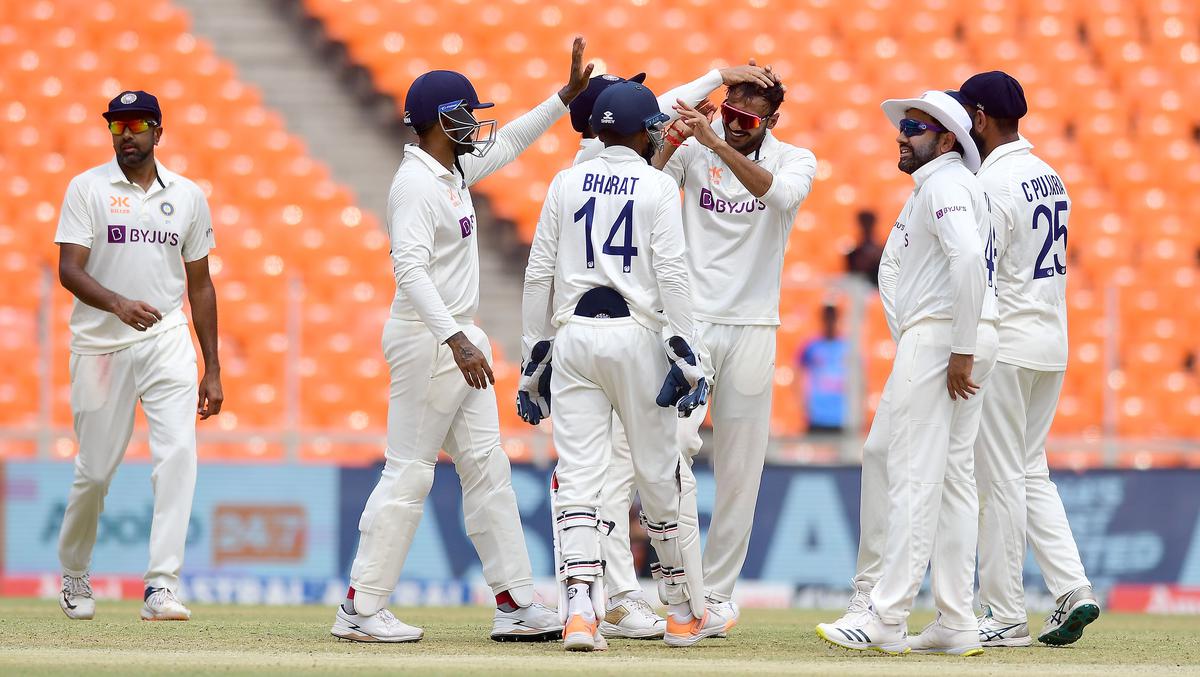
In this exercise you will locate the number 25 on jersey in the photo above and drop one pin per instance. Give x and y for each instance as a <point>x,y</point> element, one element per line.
<point>624,223</point>
<point>1056,229</point>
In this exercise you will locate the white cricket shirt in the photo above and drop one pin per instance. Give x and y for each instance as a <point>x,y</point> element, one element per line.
<point>692,92</point>
<point>933,264</point>
<point>139,241</point>
<point>1031,208</point>
<point>736,241</point>
<point>613,221</point>
<point>431,223</point>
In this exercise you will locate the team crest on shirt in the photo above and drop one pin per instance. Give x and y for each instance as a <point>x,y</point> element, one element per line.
<point>714,175</point>
<point>166,208</point>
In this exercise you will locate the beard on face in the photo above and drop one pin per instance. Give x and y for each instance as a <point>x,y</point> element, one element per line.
<point>133,159</point>
<point>977,138</point>
<point>920,155</point>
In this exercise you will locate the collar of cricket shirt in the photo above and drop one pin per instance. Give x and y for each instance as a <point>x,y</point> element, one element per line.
<point>1004,149</point>
<point>438,169</point>
<point>922,175</point>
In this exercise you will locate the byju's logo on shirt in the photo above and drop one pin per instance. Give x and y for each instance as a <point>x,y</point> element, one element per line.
<point>946,211</point>
<point>716,204</point>
<point>467,225</point>
<point>122,235</point>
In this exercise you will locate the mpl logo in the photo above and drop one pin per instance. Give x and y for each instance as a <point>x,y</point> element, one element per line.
<point>259,533</point>
<point>467,225</point>
<point>116,234</point>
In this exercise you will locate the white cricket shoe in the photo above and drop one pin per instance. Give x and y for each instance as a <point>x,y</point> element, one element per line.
<point>76,599</point>
<point>533,623</point>
<point>866,631</point>
<point>997,633</point>
<point>163,605</point>
<point>937,638</point>
<point>860,601</point>
<point>728,610</point>
<point>382,626</point>
<point>713,624</point>
<point>632,618</point>
<point>1075,611</point>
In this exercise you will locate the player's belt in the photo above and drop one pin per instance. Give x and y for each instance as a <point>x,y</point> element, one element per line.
<point>602,302</point>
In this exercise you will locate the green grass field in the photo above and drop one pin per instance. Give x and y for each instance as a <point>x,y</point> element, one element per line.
<point>36,639</point>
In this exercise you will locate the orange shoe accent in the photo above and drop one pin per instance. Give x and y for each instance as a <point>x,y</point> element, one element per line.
<point>580,635</point>
<point>577,623</point>
<point>688,629</point>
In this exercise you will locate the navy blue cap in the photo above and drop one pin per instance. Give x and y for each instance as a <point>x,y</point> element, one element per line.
<point>626,108</point>
<point>581,107</point>
<point>135,101</point>
<point>432,92</point>
<point>996,93</point>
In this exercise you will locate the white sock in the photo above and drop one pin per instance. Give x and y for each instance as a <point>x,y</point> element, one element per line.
<point>579,600</point>
<point>682,612</point>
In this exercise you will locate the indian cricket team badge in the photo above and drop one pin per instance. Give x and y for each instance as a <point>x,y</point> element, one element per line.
<point>128,98</point>
<point>166,208</point>
<point>455,198</point>
<point>714,175</point>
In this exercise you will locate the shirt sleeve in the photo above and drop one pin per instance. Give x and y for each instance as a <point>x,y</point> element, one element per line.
<point>512,139</point>
<point>199,239</point>
<point>667,247</point>
<point>955,225</point>
<point>792,182</point>
<point>539,273</point>
<point>692,92</point>
<point>412,229</point>
<point>889,278</point>
<point>74,225</point>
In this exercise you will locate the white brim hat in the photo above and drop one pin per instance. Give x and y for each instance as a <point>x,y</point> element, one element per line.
<point>947,111</point>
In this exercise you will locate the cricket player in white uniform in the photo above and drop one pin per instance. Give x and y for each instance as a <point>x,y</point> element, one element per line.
<point>610,243</point>
<point>628,614</point>
<point>133,237</point>
<point>439,363</point>
<point>934,286</point>
<point>742,188</point>
<point>1018,502</point>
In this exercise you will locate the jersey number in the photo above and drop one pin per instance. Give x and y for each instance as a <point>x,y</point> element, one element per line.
<point>1055,230</point>
<point>623,223</point>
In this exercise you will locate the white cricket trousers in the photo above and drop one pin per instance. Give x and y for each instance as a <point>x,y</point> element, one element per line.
<point>602,366</point>
<point>1017,500</point>
<point>431,407</point>
<point>159,371</point>
<point>739,361</point>
<point>932,507</point>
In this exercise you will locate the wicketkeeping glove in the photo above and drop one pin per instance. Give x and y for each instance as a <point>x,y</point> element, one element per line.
<point>533,392</point>
<point>685,387</point>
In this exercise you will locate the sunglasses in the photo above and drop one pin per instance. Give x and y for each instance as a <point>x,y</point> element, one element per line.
<point>745,119</point>
<point>118,127</point>
<point>910,127</point>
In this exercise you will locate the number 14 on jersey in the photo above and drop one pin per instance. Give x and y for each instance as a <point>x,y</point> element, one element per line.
<point>623,225</point>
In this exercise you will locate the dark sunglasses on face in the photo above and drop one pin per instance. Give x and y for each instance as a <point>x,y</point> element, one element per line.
<point>118,127</point>
<point>910,127</point>
<point>745,119</point>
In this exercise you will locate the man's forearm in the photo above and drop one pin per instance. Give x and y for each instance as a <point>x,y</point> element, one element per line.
<point>756,179</point>
<point>204,316</point>
<point>85,288</point>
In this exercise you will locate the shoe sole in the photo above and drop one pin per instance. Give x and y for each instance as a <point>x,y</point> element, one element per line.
<point>153,618</point>
<point>1071,630</point>
<point>677,641</point>
<point>878,649</point>
<point>540,636</point>
<point>1012,643</point>
<point>68,614</point>
<point>359,637</point>
<point>959,651</point>
<point>578,641</point>
<point>616,632</point>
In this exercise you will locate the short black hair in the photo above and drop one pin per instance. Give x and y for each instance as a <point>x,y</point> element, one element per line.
<point>773,95</point>
<point>958,148</point>
<point>1006,125</point>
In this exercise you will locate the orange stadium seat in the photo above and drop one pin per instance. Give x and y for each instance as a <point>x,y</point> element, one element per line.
<point>1114,107</point>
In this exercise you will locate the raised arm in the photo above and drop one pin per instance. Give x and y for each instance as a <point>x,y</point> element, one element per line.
<point>516,136</point>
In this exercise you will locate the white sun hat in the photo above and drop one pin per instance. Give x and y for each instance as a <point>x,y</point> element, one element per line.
<point>947,111</point>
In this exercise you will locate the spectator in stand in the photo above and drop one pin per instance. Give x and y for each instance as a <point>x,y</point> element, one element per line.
<point>821,376</point>
<point>864,258</point>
